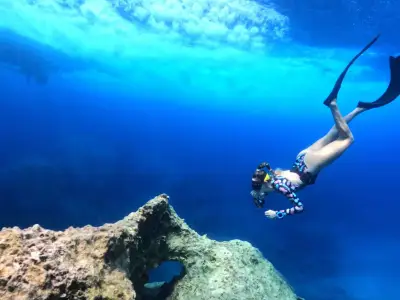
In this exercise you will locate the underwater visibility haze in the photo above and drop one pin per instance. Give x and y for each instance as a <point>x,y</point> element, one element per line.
<point>106,104</point>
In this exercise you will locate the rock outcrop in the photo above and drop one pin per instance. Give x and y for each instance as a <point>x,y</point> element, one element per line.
<point>113,261</point>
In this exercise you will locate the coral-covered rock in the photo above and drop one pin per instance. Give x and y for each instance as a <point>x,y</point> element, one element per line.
<point>113,261</point>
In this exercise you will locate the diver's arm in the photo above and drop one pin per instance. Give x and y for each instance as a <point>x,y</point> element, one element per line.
<point>297,207</point>
<point>281,185</point>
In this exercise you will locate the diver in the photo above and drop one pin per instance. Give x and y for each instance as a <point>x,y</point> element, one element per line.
<point>310,161</point>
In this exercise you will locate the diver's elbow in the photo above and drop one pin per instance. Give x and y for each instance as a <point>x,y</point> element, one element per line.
<point>299,209</point>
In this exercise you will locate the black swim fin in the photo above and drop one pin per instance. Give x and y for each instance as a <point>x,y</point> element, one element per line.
<point>392,91</point>
<point>333,95</point>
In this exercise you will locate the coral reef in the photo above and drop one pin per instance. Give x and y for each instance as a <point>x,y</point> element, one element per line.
<point>113,261</point>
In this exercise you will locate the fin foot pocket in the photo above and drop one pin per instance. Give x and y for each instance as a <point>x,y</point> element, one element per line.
<point>393,89</point>
<point>333,95</point>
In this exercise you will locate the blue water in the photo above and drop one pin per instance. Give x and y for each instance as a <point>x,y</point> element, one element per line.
<point>106,104</point>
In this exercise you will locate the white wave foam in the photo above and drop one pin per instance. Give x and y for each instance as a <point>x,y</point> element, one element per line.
<point>202,48</point>
<point>96,25</point>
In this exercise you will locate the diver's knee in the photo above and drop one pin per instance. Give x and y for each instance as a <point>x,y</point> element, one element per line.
<point>350,139</point>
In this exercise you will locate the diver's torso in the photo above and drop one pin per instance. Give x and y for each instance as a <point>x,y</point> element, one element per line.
<point>292,177</point>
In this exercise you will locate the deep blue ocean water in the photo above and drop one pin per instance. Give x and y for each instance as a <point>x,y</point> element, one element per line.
<point>106,104</point>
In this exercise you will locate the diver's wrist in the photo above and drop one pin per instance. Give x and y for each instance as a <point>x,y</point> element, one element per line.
<point>280,214</point>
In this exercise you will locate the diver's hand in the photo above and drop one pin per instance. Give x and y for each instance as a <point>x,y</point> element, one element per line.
<point>271,214</point>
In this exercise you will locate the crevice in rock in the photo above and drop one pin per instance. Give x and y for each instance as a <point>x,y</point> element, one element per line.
<point>160,281</point>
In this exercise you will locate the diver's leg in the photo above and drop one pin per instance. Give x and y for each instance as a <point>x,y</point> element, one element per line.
<point>317,159</point>
<point>332,97</point>
<point>391,93</point>
<point>333,133</point>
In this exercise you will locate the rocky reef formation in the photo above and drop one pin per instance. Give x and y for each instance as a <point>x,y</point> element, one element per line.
<point>113,261</point>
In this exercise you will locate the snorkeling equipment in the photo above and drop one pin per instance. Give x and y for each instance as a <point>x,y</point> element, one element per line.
<point>333,95</point>
<point>262,174</point>
<point>392,91</point>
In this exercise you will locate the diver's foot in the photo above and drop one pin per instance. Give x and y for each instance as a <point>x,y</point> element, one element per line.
<point>332,97</point>
<point>359,110</point>
<point>332,103</point>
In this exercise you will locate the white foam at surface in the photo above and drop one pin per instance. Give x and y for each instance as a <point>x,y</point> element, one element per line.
<point>151,22</point>
<point>200,49</point>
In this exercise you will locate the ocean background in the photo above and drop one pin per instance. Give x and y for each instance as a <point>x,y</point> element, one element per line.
<point>106,104</point>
